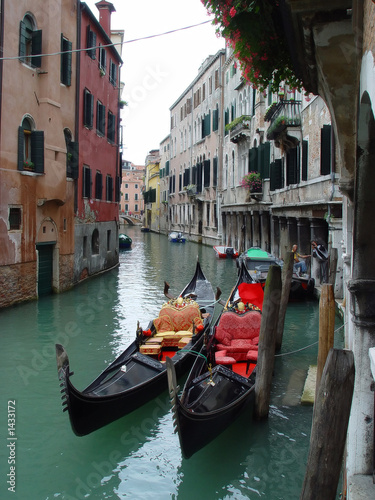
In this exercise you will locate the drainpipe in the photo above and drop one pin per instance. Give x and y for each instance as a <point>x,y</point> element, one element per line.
<point>219,195</point>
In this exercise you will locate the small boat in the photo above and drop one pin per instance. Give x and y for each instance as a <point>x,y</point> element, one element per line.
<point>145,229</point>
<point>176,237</point>
<point>125,241</point>
<point>258,261</point>
<point>225,252</point>
<point>139,374</point>
<point>221,382</point>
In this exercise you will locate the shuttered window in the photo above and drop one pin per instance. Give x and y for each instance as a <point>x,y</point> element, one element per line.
<point>111,128</point>
<point>214,173</point>
<point>66,61</point>
<point>30,150</point>
<point>276,175</point>
<point>86,182</point>
<point>109,188</point>
<point>91,43</point>
<point>98,185</point>
<point>207,169</point>
<point>325,150</point>
<point>30,43</point>
<point>88,111</point>
<point>305,156</point>
<point>100,118</point>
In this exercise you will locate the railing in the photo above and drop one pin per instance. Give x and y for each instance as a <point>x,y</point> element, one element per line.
<point>284,114</point>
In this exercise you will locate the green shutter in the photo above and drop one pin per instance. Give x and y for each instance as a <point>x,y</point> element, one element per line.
<point>325,150</point>
<point>21,140</point>
<point>253,160</point>
<point>37,150</point>
<point>72,162</point>
<point>305,156</point>
<point>214,180</point>
<point>36,48</point>
<point>66,61</point>
<point>266,160</point>
<point>22,45</point>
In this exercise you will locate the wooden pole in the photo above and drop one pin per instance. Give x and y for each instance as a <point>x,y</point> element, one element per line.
<point>287,274</point>
<point>329,427</point>
<point>326,328</point>
<point>267,339</point>
<point>333,257</point>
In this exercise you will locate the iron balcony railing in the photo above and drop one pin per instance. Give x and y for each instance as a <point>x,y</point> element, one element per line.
<point>282,115</point>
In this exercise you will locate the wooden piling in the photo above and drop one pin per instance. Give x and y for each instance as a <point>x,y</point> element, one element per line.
<point>326,328</point>
<point>329,427</point>
<point>287,274</point>
<point>267,341</point>
<point>333,257</point>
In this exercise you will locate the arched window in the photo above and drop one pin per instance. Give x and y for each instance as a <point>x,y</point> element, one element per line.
<point>30,43</point>
<point>30,147</point>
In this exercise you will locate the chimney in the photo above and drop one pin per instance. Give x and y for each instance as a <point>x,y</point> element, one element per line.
<point>105,10</point>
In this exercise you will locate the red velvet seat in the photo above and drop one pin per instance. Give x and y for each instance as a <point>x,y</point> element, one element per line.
<point>238,333</point>
<point>221,358</point>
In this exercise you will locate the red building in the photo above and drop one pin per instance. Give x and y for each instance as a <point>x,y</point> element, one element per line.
<point>99,163</point>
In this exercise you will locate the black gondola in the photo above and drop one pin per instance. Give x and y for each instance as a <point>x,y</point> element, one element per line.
<point>139,374</point>
<point>221,382</point>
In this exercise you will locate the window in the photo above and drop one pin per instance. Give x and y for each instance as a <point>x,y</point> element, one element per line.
<point>108,240</point>
<point>91,43</point>
<point>136,196</point>
<point>325,150</point>
<point>95,242</point>
<point>98,185</point>
<point>88,111</point>
<point>15,218</point>
<point>30,43</point>
<point>136,208</point>
<point>102,59</point>
<point>113,73</point>
<point>66,61</point>
<point>30,147</point>
<point>109,188</point>
<point>86,182</point>
<point>100,118</point>
<point>71,155</point>
<point>111,127</point>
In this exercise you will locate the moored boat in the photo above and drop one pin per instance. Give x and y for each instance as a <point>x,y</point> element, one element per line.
<point>176,237</point>
<point>139,373</point>
<point>224,252</point>
<point>125,241</point>
<point>258,261</point>
<point>221,382</point>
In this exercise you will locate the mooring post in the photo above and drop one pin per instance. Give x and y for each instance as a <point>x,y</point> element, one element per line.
<point>329,427</point>
<point>287,274</point>
<point>326,328</point>
<point>267,341</point>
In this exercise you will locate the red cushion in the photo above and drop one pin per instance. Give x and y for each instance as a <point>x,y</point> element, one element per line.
<point>252,355</point>
<point>238,326</point>
<point>240,345</point>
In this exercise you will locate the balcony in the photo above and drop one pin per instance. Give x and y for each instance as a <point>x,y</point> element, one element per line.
<point>239,129</point>
<point>285,121</point>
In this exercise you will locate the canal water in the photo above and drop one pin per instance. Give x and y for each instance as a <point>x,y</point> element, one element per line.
<point>138,456</point>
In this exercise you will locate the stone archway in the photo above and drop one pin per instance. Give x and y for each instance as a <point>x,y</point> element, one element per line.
<point>362,294</point>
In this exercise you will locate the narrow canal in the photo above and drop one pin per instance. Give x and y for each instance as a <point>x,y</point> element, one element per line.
<point>138,457</point>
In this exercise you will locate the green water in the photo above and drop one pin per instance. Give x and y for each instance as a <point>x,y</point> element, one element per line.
<point>138,457</point>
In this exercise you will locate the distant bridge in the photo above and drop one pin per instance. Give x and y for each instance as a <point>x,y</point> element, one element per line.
<point>132,221</point>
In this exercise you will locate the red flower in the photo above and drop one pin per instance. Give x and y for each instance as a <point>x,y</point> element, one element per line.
<point>232,12</point>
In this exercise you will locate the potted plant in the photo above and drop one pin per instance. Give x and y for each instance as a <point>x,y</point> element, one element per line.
<point>253,182</point>
<point>28,165</point>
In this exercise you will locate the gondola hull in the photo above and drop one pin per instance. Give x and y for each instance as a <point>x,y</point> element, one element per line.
<point>133,378</point>
<point>211,399</point>
<point>216,407</point>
